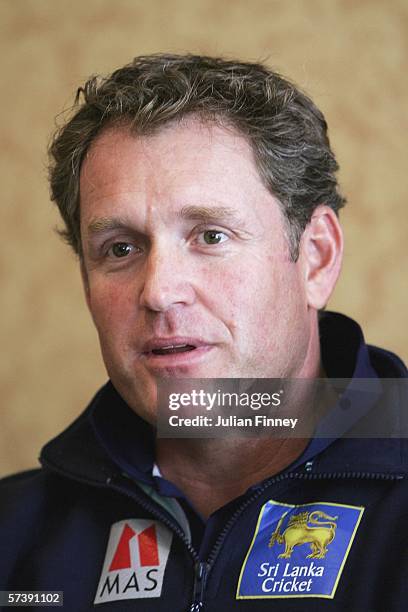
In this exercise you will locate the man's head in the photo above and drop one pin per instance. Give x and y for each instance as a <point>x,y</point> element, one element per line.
<point>195,260</point>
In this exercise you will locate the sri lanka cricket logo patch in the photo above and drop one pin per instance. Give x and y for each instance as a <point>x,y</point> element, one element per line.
<point>135,561</point>
<point>298,551</point>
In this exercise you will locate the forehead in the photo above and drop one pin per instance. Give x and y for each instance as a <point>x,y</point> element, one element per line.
<point>191,143</point>
<point>185,163</point>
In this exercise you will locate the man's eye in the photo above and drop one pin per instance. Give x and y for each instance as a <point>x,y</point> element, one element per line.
<point>121,249</point>
<point>214,237</point>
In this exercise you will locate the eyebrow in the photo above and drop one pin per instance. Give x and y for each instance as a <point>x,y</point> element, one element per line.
<point>104,224</point>
<point>208,213</point>
<point>205,214</point>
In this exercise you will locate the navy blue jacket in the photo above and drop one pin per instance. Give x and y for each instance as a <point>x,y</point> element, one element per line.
<point>328,533</point>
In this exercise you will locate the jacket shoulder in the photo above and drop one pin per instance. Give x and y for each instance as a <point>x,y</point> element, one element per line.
<point>24,476</point>
<point>25,490</point>
<point>386,363</point>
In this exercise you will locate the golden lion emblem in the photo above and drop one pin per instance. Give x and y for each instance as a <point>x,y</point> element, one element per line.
<point>319,534</point>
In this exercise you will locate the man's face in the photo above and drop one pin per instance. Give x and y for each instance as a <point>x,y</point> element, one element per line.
<point>186,262</point>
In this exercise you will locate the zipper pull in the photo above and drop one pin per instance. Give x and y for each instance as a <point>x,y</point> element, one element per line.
<point>308,466</point>
<point>201,572</point>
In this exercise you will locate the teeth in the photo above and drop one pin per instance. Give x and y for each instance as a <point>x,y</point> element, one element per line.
<point>175,348</point>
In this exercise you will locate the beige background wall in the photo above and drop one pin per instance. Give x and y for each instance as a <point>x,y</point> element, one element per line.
<point>351,55</point>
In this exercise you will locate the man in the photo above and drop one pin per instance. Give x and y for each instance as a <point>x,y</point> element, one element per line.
<point>200,196</point>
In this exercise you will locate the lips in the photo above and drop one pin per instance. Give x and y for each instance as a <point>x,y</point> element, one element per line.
<point>171,345</point>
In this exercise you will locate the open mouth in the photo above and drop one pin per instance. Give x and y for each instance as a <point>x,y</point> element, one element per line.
<point>173,348</point>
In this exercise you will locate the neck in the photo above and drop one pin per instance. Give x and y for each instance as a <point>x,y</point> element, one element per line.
<point>213,472</point>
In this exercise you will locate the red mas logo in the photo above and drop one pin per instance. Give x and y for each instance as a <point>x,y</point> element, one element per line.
<point>135,561</point>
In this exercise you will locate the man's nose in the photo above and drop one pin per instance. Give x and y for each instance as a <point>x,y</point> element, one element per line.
<point>166,280</point>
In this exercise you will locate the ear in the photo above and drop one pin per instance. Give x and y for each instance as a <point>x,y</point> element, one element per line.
<point>321,252</point>
<point>85,282</point>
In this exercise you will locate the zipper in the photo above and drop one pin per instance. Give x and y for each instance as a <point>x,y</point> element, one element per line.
<point>200,580</point>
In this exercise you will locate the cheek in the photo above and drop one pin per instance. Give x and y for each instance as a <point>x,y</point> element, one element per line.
<point>264,300</point>
<point>110,306</point>
<point>232,295</point>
